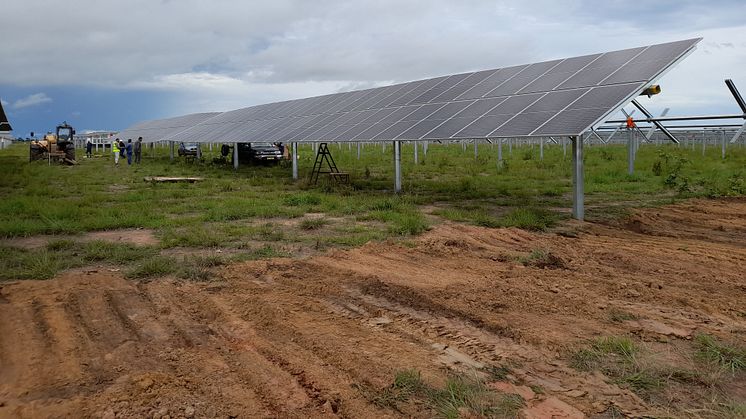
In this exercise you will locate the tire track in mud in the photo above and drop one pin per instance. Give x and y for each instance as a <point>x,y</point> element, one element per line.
<point>466,346</point>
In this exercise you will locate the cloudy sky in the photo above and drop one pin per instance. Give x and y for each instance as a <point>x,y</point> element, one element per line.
<point>106,64</point>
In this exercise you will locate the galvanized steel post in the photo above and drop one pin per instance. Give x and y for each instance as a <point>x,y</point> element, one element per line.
<point>630,151</point>
<point>500,153</point>
<point>416,156</point>
<point>397,166</point>
<point>723,148</point>
<point>171,143</point>
<point>578,194</point>
<point>235,156</point>
<point>541,149</point>
<point>295,161</point>
<point>476,149</point>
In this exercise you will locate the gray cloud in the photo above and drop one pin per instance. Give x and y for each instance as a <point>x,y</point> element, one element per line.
<point>243,50</point>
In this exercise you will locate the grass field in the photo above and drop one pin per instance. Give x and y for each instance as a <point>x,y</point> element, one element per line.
<point>258,211</point>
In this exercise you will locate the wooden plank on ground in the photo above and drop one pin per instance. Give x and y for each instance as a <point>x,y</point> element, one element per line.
<point>169,179</point>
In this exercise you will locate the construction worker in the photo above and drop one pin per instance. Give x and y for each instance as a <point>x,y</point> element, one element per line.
<point>138,150</point>
<point>115,150</point>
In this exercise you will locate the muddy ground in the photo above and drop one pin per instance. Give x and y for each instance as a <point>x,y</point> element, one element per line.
<point>318,337</point>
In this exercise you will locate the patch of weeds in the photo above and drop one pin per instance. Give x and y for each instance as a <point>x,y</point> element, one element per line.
<point>533,219</point>
<point>409,224</point>
<point>460,396</point>
<point>313,223</point>
<point>117,253</point>
<point>60,245</point>
<point>619,316</point>
<point>406,384</point>
<point>642,381</point>
<point>537,389</point>
<point>459,393</point>
<point>507,406</point>
<point>587,359</point>
<point>728,357</point>
<point>542,259</point>
<point>617,345</point>
<point>302,199</point>
<point>734,410</point>
<point>264,252</point>
<point>497,373</point>
<point>153,267</point>
<point>208,261</point>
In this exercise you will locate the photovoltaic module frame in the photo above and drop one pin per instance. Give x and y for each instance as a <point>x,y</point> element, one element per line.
<point>564,97</point>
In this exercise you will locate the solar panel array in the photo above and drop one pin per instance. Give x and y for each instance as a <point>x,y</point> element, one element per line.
<point>159,129</point>
<point>552,98</point>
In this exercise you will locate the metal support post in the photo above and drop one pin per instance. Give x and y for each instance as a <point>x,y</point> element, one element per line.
<point>235,156</point>
<point>541,149</point>
<point>722,135</point>
<point>500,153</point>
<point>424,149</point>
<point>358,150</point>
<point>704,142</point>
<point>631,151</point>
<point>397,166</point>
<point>199,151</point>
<point>510,146</point>
<point>172,150</point>
<point>564,147</point>
<point>476,149</point>
<point>416,156</point>
<point>295,161</point>
<point>578,194</point>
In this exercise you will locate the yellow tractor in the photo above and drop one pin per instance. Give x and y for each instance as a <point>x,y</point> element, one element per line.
<point>58,146</point>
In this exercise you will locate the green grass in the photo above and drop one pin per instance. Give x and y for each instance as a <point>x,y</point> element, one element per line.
<point>155,266</point>
<point>61,254</point>
<point>459,394</point>
<point>313,223</point>
<point>231,208</point>
<point>731,358</point>
<point>620,316</point>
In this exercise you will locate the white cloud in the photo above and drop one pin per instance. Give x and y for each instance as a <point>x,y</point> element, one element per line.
<point>32,100</point>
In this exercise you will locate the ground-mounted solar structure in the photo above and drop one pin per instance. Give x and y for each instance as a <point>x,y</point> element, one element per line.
<point>558,98</point>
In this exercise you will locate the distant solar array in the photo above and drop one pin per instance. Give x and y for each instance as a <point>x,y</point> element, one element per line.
<point>160,129</point>
<point>553,98</point>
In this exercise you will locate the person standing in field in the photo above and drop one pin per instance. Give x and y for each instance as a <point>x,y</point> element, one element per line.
<point>138,150</point>
<point>115,150</point>
<point>129,152</point>
<point>88,148</point>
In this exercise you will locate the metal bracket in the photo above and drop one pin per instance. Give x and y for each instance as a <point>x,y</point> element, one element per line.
<point>736,95</point>
<point>636,127</point>
<point>657,123</point>
<point>621,125</point>
<point>651,131</point>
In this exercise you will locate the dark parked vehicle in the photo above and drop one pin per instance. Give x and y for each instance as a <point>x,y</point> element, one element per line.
<point>259,152</point>
<point>187,149</point>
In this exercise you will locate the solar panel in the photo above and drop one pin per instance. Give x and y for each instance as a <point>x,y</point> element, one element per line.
<point>160,129</point>
<point>549,98</point>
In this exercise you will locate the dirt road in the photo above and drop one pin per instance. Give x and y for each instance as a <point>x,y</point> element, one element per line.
<point>314,337</point>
